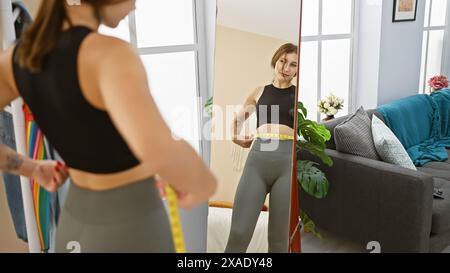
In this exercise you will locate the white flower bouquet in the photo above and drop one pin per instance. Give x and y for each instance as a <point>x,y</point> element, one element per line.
<point>330,105</point>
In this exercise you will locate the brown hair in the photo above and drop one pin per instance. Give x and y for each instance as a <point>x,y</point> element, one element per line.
<point>284,49</point>
<point>43,33</point>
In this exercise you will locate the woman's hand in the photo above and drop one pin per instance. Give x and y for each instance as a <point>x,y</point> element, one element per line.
<point>50,174</point>
<point>185,200</point>
<point>244,142</point>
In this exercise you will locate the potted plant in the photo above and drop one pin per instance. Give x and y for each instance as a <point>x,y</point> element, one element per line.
<point>312,138</point>
<point>330,106</point>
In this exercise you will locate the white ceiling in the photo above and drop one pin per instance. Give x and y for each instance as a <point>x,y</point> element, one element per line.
<point>273,18</point>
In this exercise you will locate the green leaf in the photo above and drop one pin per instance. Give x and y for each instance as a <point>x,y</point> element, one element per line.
<point>312,131</point>
<point>313,136</point>
<point>312,180</point>
<point>209,106</point>
<point>302,110</point>
<point>317,150</point>
<point>309,225</point>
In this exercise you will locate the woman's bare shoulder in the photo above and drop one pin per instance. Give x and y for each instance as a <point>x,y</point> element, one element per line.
<point>257,93</point>
<point>6,74</point>
<point>105,41</point>
<point>103,56</point>
<point>6,57</point>
<point>101,47</point>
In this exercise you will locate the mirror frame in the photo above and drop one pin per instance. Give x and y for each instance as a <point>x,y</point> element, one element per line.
<point>294,221</point>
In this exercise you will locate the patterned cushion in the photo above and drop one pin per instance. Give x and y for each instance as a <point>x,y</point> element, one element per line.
<point>388,146</point>
<point>354,136</point>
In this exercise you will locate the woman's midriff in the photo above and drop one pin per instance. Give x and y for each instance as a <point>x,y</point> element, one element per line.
<point>102,182</point>
<point>275,129</point>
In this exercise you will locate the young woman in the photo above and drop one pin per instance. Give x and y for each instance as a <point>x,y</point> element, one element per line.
<point>268,166</point>
<point>90,96</point>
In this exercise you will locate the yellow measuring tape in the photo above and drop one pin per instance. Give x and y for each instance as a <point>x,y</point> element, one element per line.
<point>175,222</point>
<point>275,136</point>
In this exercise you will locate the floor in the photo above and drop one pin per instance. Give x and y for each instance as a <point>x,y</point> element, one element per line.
<point>8,240</point>
<point>329,244</point>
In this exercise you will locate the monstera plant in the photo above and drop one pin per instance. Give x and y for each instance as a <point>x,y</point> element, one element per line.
<point>312,138</point>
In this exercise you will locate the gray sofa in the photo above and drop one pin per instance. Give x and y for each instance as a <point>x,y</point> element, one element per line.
<point>371,200</point>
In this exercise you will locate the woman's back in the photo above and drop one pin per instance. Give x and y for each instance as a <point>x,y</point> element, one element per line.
<point>85,136</point>
<point>70,111</point>
<point>114,89</point>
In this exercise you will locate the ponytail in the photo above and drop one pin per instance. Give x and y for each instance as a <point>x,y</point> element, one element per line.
<point>42,36</point>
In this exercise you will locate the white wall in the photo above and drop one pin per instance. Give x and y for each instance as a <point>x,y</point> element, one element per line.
<point>369,36</point>
<point>6,28</point>
<point>446,51</point>
<point>400,54</point>
<point>272,18</point>
<point>389,54</point>
<point>447,64</point>
<point>210,28</point>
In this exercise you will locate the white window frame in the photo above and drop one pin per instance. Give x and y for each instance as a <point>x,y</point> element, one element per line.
<point>445,63</point>
<point>320,38</point>
<point>199,49</point>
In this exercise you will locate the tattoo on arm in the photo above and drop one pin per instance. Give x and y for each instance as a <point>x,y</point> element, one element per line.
<point>13,162</point>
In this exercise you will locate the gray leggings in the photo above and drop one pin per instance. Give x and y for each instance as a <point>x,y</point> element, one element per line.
<point>266,170</point>
<point>127,219</point>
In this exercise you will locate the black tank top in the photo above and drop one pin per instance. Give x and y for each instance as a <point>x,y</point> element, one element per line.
<point>283,98</point>
<point>83,135</point>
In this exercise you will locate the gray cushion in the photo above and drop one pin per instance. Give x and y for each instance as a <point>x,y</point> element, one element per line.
<point>441,208</point>
<point>354,136</point>
<point>331,124</point>
<point>388,147</point>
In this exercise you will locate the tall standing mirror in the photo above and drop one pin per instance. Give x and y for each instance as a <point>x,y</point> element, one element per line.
<point>386,64</point>
<point>256,68</point>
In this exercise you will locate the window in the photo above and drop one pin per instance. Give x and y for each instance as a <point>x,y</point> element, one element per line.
<point>434,39</point>
<point>326,52</point>
<point>166,34</point>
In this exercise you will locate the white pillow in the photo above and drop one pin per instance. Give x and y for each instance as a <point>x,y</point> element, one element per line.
<point>388,147</point>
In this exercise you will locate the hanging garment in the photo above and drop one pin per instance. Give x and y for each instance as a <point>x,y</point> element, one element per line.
<point>23,19</point>
<point>45,203</point>
<point>12,182</point>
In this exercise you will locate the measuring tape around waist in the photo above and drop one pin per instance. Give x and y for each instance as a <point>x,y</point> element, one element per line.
<point>275,136</point>
<point>175,222</point>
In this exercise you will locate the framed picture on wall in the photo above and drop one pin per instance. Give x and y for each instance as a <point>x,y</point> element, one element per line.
<point>404,10</point>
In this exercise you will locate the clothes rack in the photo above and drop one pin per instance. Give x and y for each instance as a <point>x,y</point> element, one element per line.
<point>8,38</point>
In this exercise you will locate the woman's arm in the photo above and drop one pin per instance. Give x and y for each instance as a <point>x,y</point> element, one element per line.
<point>12,162</point>
<point>49,174</point>
<point>8,91</point>
<point>238,121</point>
<point>125,92</point>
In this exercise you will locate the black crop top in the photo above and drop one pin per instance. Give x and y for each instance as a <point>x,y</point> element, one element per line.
<point>283,98</point>
<point>83,135</point>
